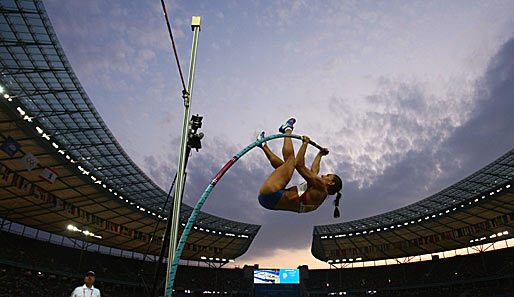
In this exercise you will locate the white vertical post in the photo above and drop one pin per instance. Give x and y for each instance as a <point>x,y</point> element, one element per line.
<point>195,25</point>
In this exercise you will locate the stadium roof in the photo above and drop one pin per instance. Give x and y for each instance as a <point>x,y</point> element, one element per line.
<point>475,209</point>
<point>51,117</point>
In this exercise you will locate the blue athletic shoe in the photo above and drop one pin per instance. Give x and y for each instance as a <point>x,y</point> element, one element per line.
<point>288,125</point>
<point>261,136</point>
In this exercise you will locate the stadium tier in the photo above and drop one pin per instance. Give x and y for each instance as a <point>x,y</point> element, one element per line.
<point>34,266</point>
<point>476,210</point>
<point>61,168</point>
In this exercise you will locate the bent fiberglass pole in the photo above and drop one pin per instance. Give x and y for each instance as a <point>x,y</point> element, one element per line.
<point>199,204</point>
<point>195,25</point>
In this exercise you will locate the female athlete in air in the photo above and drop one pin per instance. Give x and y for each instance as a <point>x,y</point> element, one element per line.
<point>305,197</point>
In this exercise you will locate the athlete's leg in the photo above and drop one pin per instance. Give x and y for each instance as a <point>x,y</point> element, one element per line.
<point>287,148</point>
<point>273,159</point>
<point>279,179</point>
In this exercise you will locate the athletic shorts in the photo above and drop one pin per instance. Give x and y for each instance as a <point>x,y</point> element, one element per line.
<point>270,200</point>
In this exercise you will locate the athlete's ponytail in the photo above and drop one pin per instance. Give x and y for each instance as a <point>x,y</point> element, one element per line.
<point>335,188</point>
<point>336,204</point>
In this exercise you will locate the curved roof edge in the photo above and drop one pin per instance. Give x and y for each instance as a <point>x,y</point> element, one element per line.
<point>36,72</point>
<point>498,172</point>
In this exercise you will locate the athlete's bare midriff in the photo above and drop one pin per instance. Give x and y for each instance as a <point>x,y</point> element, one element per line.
<point>290,200</point>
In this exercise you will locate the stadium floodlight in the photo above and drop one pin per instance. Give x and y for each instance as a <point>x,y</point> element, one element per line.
<point>1,89</point>
<point>6,96</point>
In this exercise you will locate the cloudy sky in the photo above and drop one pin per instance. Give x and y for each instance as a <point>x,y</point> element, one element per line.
<point>409,97</point>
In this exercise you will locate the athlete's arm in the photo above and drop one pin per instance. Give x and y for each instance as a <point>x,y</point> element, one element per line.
<point>317,160</point>
<point>307,174</point>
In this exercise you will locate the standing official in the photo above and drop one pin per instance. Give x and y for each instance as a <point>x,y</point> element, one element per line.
<point>87,290</point>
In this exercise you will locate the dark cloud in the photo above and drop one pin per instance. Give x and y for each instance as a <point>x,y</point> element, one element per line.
<point>488,134</point>
<point>415,175</point>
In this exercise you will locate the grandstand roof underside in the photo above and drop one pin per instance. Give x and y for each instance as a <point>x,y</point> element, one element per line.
<point>476,207</point>
<point>45,93</point>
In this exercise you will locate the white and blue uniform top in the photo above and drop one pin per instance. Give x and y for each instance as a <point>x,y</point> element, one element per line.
<point>84,291</point>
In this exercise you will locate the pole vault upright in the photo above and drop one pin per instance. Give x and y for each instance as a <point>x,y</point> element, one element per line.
<point>186,128</point>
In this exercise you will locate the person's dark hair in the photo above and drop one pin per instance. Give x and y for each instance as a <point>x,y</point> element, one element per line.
<point>333,189</point>
<point>336,187</point>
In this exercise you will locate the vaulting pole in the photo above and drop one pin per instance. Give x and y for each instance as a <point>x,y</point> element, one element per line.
<point>186,128</point>
<point>201,201</point>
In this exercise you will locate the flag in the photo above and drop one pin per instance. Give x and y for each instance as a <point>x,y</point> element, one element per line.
<point>29,161</point>
<point>10,146</point>
<point>49,175</point>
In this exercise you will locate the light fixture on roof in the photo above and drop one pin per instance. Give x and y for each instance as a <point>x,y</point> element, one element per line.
<point>20,110</point>
<point>6,96</point>
<point>1,89</point>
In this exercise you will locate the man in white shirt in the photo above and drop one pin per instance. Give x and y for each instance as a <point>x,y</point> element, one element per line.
<point>87,290</point>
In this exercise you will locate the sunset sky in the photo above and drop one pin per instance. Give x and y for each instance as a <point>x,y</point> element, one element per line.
<point>409,97</point>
